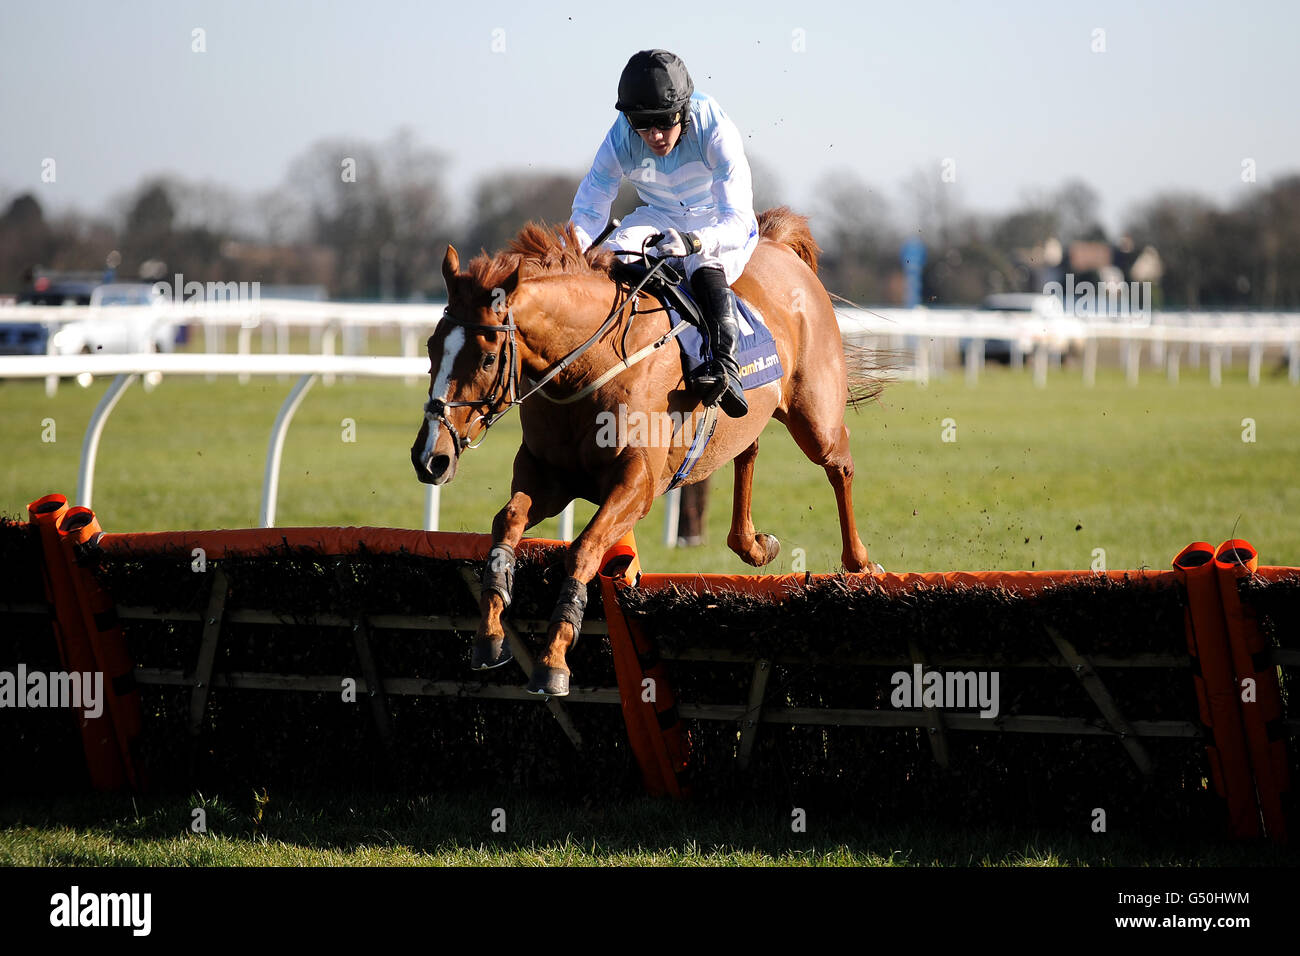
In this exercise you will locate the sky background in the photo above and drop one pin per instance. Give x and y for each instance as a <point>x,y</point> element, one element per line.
<point>1011,91</point>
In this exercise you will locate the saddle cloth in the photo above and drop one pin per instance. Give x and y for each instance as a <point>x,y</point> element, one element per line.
<point>755,352</point>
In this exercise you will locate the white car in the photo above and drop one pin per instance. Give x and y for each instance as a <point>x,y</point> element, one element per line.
<point>1043,320</point>
<point>124,317</point>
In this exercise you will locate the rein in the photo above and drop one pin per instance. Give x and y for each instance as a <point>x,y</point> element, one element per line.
<point>502,399</point>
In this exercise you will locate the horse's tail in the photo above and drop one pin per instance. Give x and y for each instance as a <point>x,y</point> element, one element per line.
<point>869,371</point>
<point>867,376</point>
<point>783,224</point>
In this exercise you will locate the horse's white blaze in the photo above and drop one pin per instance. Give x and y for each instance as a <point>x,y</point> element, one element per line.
<point>430,436</point>
<point>451,347</point>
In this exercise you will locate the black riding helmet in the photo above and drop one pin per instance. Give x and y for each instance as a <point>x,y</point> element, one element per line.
<point>655,85</point>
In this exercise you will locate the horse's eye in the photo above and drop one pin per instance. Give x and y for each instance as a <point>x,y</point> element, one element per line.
<point>490,359</point>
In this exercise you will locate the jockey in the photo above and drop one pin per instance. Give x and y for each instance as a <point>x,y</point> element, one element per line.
<point>687,161</point>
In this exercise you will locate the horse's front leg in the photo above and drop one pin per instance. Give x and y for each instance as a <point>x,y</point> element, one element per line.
<point>627,502</point>
<point>533,498</point>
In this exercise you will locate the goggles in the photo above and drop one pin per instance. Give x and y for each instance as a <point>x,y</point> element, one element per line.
<point>661,121</point>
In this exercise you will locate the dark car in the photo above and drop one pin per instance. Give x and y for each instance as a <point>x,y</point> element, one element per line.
<point>58,292</point>
<point>32,338</point>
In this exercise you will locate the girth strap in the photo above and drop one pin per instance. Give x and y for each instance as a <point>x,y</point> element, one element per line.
<point>698,444</point>
<point>618,369</point>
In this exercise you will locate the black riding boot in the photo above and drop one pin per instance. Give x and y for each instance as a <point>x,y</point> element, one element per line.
<point>719,380</point>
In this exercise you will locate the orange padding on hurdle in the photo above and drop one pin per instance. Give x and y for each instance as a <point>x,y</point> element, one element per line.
<point>447,545</point>
<point>654,728</point>
<point>1262,714</point>
<point>781,585</point>
<point>107,641</point>
<point>98,736</point>
<point>1216,692</point>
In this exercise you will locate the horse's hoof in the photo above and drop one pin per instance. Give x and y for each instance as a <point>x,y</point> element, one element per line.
<point>549,682</point>
<point>877,568</point>
<point>489,652</point>
<point>771,547</point>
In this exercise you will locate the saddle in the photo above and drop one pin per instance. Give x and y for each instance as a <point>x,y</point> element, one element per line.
<point>665,285</point>
<point>755,351</point>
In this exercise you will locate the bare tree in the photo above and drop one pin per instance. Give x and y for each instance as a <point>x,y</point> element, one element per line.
<point>504,201</point>
<point>851,221</point>
<point>380,208</point>
<point>1178,226</point>
<point>1076,206</point>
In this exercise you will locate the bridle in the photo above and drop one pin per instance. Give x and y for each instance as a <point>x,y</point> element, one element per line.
<point>435,409</point>
<point>502,397</point>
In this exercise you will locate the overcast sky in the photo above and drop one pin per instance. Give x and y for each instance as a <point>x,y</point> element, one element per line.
<point>1012,92</point>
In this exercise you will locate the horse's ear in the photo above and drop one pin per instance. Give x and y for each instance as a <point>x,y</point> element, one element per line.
<point>450,266</point>
<point>522,271</point>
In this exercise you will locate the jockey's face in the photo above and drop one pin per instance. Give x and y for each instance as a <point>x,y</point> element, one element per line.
<point>661,141</point>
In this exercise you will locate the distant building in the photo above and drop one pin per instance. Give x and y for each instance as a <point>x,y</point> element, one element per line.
<point>1089,256</point>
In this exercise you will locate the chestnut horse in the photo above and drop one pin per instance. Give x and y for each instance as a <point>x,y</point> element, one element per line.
<point>518,321</point>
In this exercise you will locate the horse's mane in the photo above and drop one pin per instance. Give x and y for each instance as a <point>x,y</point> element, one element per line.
<point>548,250</point>
<point>555,250</point>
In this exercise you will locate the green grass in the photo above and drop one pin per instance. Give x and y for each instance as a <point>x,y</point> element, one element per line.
<point>1037,478</point>
<point>335,829</point>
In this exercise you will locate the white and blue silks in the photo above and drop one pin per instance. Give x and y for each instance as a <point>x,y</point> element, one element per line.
<point>702,186</point>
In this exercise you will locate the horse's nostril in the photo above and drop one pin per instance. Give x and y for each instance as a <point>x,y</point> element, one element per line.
<point>437,465</point>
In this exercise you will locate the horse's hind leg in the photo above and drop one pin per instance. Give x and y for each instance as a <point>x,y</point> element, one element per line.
<point>754,549</point>
<point>828,446</point>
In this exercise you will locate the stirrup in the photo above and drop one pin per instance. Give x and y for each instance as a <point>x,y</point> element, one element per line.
<point>733,398</point>
<point>709,383</point>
